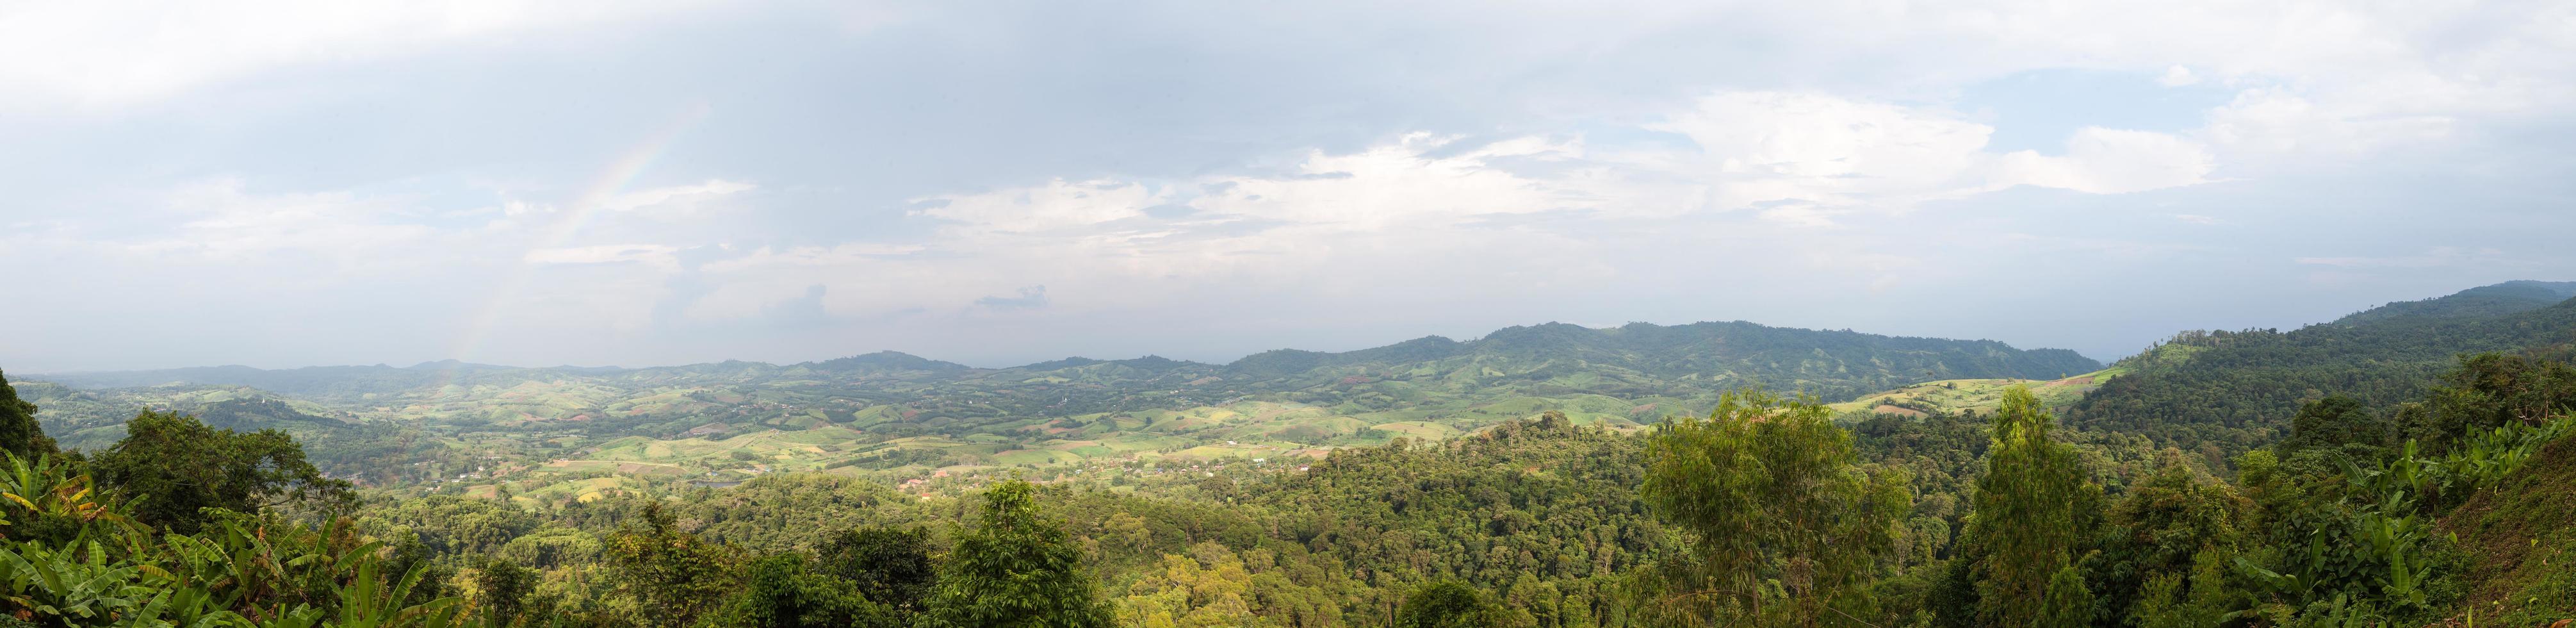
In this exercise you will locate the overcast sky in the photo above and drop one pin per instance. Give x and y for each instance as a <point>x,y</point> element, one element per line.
<point>641,183</point>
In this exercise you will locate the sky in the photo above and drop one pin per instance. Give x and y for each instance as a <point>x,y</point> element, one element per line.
<point>651,182</point>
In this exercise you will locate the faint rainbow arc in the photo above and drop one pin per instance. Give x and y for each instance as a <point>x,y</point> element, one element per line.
<point>603,189</point>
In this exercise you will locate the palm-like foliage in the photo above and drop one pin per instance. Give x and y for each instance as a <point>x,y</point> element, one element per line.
<point>55,501</point>
<point>80,560</point>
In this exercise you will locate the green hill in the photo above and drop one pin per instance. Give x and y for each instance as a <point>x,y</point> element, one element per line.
<point>2238,388</point>
<point>2510,297</point>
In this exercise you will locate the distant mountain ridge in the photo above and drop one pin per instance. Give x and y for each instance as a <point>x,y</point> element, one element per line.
<point>2510,297</point>
<point>1677,351</point>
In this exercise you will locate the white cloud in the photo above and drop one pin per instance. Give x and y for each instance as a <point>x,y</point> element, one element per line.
<point>2110,161</point>
<point>2177,76</point>
<point>1810,157</point>
<point>1769,146</point>
<point>654,255</point>
<point>1055,205</point>
<point>1423,202</point>
<point>220,221</point>
<point>678,199</point>
<point>109,52</point>
<point>1398,183</point>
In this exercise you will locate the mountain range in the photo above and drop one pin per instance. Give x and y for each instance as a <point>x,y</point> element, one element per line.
<point>895,416</point>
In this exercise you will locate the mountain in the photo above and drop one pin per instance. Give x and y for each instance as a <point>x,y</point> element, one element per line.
<point>2511,297</point>
<point>1827,363</point>
<point>890,411</point>
<point>2239,387</point>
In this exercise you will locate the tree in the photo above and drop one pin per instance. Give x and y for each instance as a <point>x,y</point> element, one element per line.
<point>1768,492</point>
<point>2487,390</point>
<point>891,566</point>
<point>501,589</point>
<point>2032,505</point>
<point>20,434</point>
<point>1016,569</point>
<point>1445,604</point>
<point>176,466</point>
<point>784,594</point>
<point>2162,525</point>
<point>2336,423</point>
<point>673,575</point>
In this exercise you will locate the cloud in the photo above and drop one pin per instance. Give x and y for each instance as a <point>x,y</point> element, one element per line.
<point>678,199</point>
<point>2110,161</point>
<point>2272,121</point>
<point>1030,298</point>
<point>1421,200</point>
<point>2177,76</point>
<point>117,51</point>
<point>1055,205</point>
<point>221,221</point>
<point>654,255</point>
<point>1809,157</point>
<point>1400,183</point>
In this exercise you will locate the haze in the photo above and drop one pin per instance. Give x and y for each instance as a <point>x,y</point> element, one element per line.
<point>637,183</point>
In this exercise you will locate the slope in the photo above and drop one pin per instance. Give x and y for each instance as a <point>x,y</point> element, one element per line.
<point>2521,537</point>
<point>2235,388</point>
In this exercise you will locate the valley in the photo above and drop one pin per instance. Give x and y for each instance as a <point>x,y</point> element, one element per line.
<point>1538,476</point>
<point>574,433</point>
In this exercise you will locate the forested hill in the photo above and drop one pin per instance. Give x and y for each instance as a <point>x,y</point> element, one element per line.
<point>2510,297</point>
<point>1634,361</point>
<point>2238,388</point>
<point>1828,363</point>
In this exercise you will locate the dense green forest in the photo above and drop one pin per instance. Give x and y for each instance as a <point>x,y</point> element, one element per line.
<point>2232,389</point>
<point>2407,466</point>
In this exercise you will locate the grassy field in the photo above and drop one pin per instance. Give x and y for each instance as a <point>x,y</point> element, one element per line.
<point>1977,395</point>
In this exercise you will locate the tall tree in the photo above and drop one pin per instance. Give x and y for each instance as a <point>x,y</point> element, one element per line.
<point>890,565</point>
<point>1446,604</point>
<point>2031,508</point>
<point>673,575</point>
<point>501,590</point>
<point>1768,492</point>
<point>783,593</point>
<point>20,434</point>
<point>176,466</point>
<point>1016,569</point>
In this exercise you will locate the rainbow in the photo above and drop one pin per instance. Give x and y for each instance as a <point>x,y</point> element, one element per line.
<point>612,180</point>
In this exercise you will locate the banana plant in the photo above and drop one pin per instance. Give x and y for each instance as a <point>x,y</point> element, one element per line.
<point>51,495</point>
<point>71,586</point>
